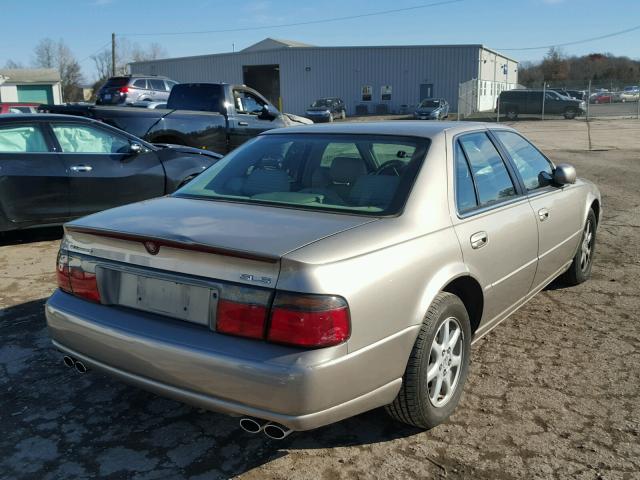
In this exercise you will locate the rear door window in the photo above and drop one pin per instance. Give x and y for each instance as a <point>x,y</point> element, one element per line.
<point>157,84</point>
<point>22,139</point>
<point>492,180</point>
<point>140,84</point>
<point>465,191</point>
<point>534,168</point>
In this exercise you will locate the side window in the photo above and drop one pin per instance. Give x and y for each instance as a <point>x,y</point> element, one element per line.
<point>156,84</point>
<point>492,179</point>
<point>465,191</point>
<point>534,168</point>
<point>338,149</point>
<point>22,139</point>
<point>247,102</point>
<point>142,83</point>
<point>87,139</point>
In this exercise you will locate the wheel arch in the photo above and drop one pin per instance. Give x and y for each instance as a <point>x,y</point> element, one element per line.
<point>469,291</point>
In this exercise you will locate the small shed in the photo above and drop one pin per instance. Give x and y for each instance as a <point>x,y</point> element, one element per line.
<point>31,85</point>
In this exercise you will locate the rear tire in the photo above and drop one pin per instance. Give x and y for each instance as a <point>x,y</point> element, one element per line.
<point>438,363</point>
<point>512,114</point>
<point>580,269</point>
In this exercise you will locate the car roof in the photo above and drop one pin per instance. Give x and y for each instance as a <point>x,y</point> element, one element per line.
<point>7,118</point>
<point>411,128</point>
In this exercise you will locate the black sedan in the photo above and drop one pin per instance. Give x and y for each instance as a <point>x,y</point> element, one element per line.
<point>54,168</point>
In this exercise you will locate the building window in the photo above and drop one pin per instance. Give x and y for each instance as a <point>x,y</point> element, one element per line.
<point>366,93</point>
<point>385,92</point>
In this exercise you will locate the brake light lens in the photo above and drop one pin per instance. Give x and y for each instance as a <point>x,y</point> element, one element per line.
<point>123,90</point>
<point>309,320</point>
<point>242,319</point>
<point>77,275</point>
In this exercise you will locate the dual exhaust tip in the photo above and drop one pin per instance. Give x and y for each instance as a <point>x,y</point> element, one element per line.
<point>73,363</point>
<point>274,431</point>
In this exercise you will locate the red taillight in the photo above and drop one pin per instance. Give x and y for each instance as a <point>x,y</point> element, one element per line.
<point>62,272</point>
<point>123,90</point>
<point>77,276</point>
<point>309,320</point>
<point>84,284</point>
<point>243,319</point>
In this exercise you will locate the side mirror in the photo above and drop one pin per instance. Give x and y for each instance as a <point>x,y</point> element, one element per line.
<point>564,174</point>
<point>135,149</point>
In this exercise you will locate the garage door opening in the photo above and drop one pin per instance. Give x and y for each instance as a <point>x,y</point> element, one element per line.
<point>265,79</point>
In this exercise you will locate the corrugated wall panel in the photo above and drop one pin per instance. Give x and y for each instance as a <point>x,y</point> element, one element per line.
<point>313,72</point>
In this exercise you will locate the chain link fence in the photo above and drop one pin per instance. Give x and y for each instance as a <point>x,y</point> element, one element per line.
<point>494,101</point>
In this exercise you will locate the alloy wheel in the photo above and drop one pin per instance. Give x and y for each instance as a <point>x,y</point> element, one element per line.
<point>445,362</point>
<point>587,247</point>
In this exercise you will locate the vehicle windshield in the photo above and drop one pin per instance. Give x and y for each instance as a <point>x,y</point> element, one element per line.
<point>362,174</point>
<point>430,103</point>
<point>323,102</point>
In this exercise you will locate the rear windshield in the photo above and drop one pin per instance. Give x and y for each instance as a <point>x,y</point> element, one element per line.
<point>195,96</point>
<point>363,174</point>
<point>117,82</point>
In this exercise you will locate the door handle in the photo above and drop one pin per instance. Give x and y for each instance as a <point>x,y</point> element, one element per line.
<point>479,240</point>
<point>543,214</point>
<point>81,168</point>
<point>243,124</point>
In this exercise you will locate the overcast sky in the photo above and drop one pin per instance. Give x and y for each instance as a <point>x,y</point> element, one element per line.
<point>504,25</point>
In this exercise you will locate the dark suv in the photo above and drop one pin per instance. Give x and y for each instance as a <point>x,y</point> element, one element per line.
<point>512,103</point>
<point>135,88</point>
<point>326,110</point>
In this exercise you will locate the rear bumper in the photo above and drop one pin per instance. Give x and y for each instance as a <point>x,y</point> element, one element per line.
<point>301,389</point>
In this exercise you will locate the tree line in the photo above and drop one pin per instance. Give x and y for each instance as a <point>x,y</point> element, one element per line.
<point>56,54</point>
<point>559,70</point>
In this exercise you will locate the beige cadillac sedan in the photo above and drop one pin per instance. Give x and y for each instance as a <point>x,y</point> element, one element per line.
<point>321,271</point>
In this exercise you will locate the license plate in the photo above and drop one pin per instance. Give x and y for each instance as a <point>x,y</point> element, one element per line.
<point>107,96</point>
<point>192,303</point>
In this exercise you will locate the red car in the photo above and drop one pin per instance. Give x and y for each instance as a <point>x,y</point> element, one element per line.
<point>17,107</point>
<point>602,97</point>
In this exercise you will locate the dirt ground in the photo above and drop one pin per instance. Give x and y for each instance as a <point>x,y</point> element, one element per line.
<point>553,392</point>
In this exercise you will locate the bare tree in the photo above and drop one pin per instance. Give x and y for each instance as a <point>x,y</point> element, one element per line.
<point>126,52</point>
<point>13,64</point>
<point>49,53</point>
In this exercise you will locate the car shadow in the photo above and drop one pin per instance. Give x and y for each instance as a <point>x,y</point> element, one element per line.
<point>107,429</point>
<point>41,234</point>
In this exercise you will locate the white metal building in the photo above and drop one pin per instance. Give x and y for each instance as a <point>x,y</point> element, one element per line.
<point>374,79</point>
<point>30,85</point>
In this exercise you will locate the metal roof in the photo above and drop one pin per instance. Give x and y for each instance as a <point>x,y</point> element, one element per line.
<point>273,43</point>
<point>30,75</point>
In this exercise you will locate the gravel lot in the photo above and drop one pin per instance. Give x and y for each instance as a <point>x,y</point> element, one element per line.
<point>553,392</point>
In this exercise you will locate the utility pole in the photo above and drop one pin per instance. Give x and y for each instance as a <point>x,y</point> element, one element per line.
<point>113,54</point>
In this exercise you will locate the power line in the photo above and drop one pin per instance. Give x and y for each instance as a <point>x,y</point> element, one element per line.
<point>97,50</point>
<point>296,24</point>
<point>577,42</point>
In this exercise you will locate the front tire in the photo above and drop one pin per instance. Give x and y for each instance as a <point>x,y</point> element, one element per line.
<point>580,269</point>
<point>570,113</point>
<point>437,369</point>
<point>512,114</point>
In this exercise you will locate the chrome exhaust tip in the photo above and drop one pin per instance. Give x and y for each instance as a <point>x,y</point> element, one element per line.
<point>80,367</point>
<point>68,361</point>
<point>276,431</point>
<point>251,425</point>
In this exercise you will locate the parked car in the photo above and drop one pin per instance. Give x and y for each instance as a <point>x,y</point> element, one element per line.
<point>135,88</point>
<point>319,272</point>
<point>215,116</point>
<point>326,110</point>
<point>54,168</point>
<point>16,107</point>
<point>601,97</point>
<point>577,94</point>
<point>432,109</point>
<point>513,103</point>
<point>630,94</point>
